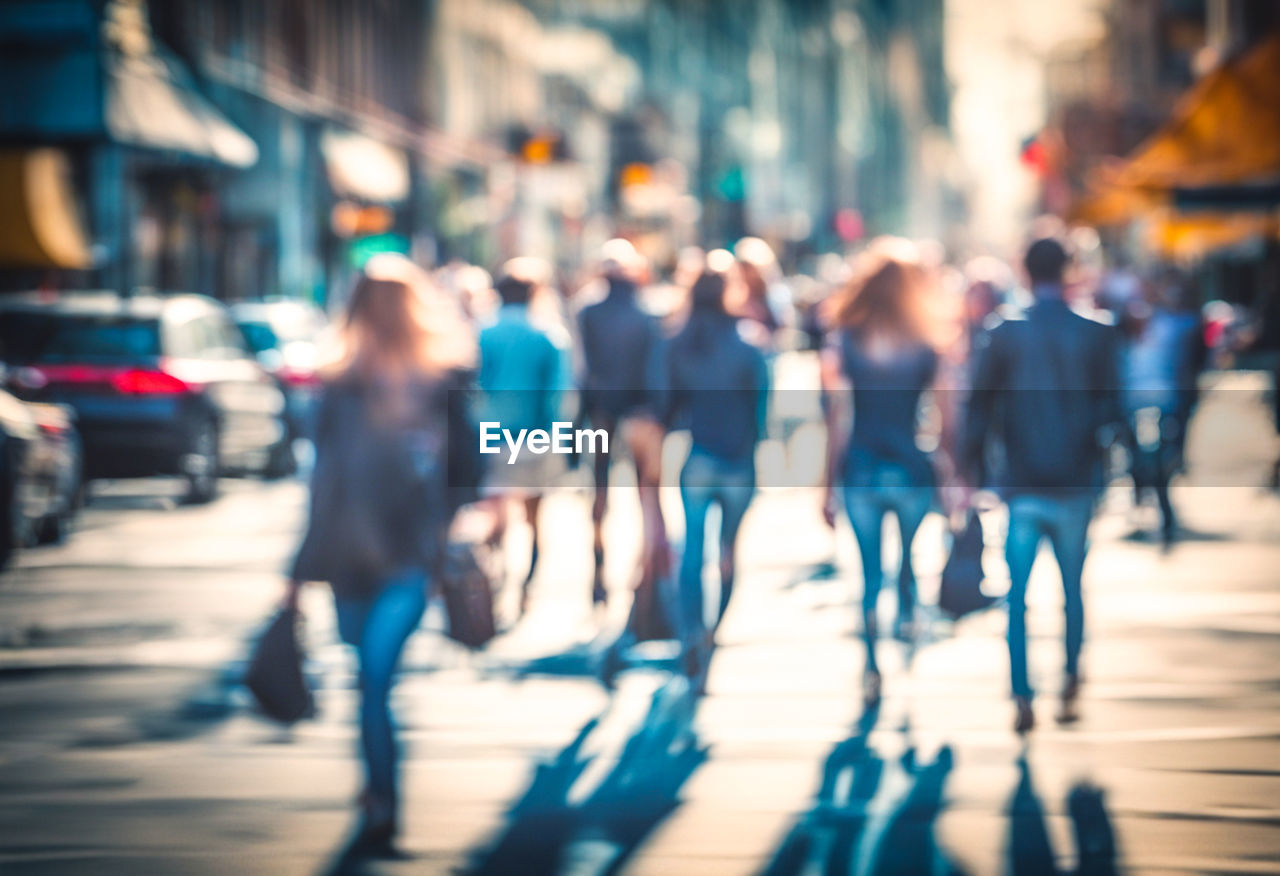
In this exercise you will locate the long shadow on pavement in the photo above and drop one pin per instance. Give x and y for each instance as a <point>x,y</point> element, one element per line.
<point>1030,850</point>
<point>548,832</point>
<point>844,833</point>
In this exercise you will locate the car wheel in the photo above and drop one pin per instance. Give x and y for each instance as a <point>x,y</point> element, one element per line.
<point>8,506</point>
<point>52,528</point>
<point>200,464</point>
<point>280,461</point>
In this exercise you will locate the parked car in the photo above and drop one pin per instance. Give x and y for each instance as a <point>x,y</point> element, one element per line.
<point>39,473</point>
<point>160,384</point>
<point>289,338</point>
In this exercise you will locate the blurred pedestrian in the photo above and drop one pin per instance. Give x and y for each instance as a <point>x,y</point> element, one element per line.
<point>719,386</point>
<point>881,346</point>
<point>1163,353</point>
<point>762,300</point>
<point>384,490</point>
<point>622,393</point>
<point>972,314</point>
<point>523,374</point>
<point>1047,386</point>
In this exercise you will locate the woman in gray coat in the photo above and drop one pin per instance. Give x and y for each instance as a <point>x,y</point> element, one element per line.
<point>384,490</point>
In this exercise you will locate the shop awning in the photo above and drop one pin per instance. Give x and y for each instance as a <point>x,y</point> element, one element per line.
<point>151,102</point>
<point>365,168</point>
<point>1109,204</point>
<point>1225,130</point>
<point>39,225</point>
<point>1184,236</point>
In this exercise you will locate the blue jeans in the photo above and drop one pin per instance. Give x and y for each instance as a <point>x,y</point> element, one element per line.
<point>378,627</point>
<point>1064,520</point>
<point>707,480</point>
<point>867,507</point>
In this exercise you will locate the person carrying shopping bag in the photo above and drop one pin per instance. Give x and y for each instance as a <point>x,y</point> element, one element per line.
<point>396,455</point>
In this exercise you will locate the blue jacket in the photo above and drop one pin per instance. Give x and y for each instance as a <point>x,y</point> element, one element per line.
<point>1047,387</point>
<point>522,372</point>
<point>622,355</point>
<point>719,390</point>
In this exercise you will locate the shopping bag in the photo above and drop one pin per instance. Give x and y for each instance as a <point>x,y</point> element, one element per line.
<point>468,595</point>
<point>961,590</point>
<point>653,610</point>
<point>274,676</point>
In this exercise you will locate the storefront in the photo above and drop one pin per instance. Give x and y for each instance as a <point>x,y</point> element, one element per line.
<point>113,158</point>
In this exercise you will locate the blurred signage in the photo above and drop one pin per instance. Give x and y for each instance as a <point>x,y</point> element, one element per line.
<point>348,219</point>
<point>849,225</point>
<point>364,168</point>
<point>538,147</point>
<point>364,248</point>
<point>635,174</point>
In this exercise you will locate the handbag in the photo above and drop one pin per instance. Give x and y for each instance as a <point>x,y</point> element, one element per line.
<point>650,618</point>
<point>274,676</point>
<point>468,595</point>
<point>960,592</point>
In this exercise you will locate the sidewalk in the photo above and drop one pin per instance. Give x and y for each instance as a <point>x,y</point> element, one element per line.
<point>1180,728</point>
<point>515,764</point>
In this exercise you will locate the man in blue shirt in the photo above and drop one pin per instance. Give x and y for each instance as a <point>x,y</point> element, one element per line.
<point>523,374</point>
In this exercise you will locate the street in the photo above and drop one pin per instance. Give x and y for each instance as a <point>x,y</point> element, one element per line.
<point>127,746</point>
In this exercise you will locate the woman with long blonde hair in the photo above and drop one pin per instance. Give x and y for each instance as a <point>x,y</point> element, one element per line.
<point>881,357</point>
<point>394,459</point>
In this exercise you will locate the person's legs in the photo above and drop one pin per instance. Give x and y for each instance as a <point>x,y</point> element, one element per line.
<point>866,516</point>
<point>1069,538</point>
<point>697,487</point>
<point>910,509</point>
<point>1021,545</point>
<point>1168,523</point>
<point>600,471</point>
<point>392,617</point>
<point>351,616</point>
<point>644,438</point>
<point>736,489</point>
<point>532,504</point>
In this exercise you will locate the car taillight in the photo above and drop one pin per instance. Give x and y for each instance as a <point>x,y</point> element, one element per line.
<point>299,377</point>
<point>137,381</point>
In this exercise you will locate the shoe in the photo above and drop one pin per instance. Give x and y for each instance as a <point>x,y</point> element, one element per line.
<point>694,664</point>
<point>871,689</point>
<point>599,596</point>
<point>1069,705</point>
<point>1025,721</point>
<point>376,834</point>
<point>611,665</point>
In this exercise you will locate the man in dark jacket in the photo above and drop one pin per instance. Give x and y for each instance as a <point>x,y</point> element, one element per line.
<point>1047,388</point>
<point>622,393</point>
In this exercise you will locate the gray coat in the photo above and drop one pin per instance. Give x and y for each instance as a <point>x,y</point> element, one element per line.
<point>385,489</point>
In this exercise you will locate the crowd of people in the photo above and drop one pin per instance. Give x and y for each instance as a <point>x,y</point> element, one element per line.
<point>1021,392</point>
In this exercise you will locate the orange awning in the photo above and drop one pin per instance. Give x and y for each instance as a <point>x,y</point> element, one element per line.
<point>1226,129</point>
<point>1183,236</point>
<point>39,225</point>
<point>1109,204</point>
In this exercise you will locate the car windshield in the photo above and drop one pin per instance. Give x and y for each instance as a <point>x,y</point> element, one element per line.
<point>260,336</point>
<point>60,337</point>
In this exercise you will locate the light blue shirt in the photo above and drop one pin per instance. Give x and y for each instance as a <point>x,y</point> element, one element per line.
<point>523,373</point>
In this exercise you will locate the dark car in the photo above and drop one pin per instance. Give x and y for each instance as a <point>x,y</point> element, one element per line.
<point>39,473</point>
<point>161,385</point>
<point>288,336</point>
